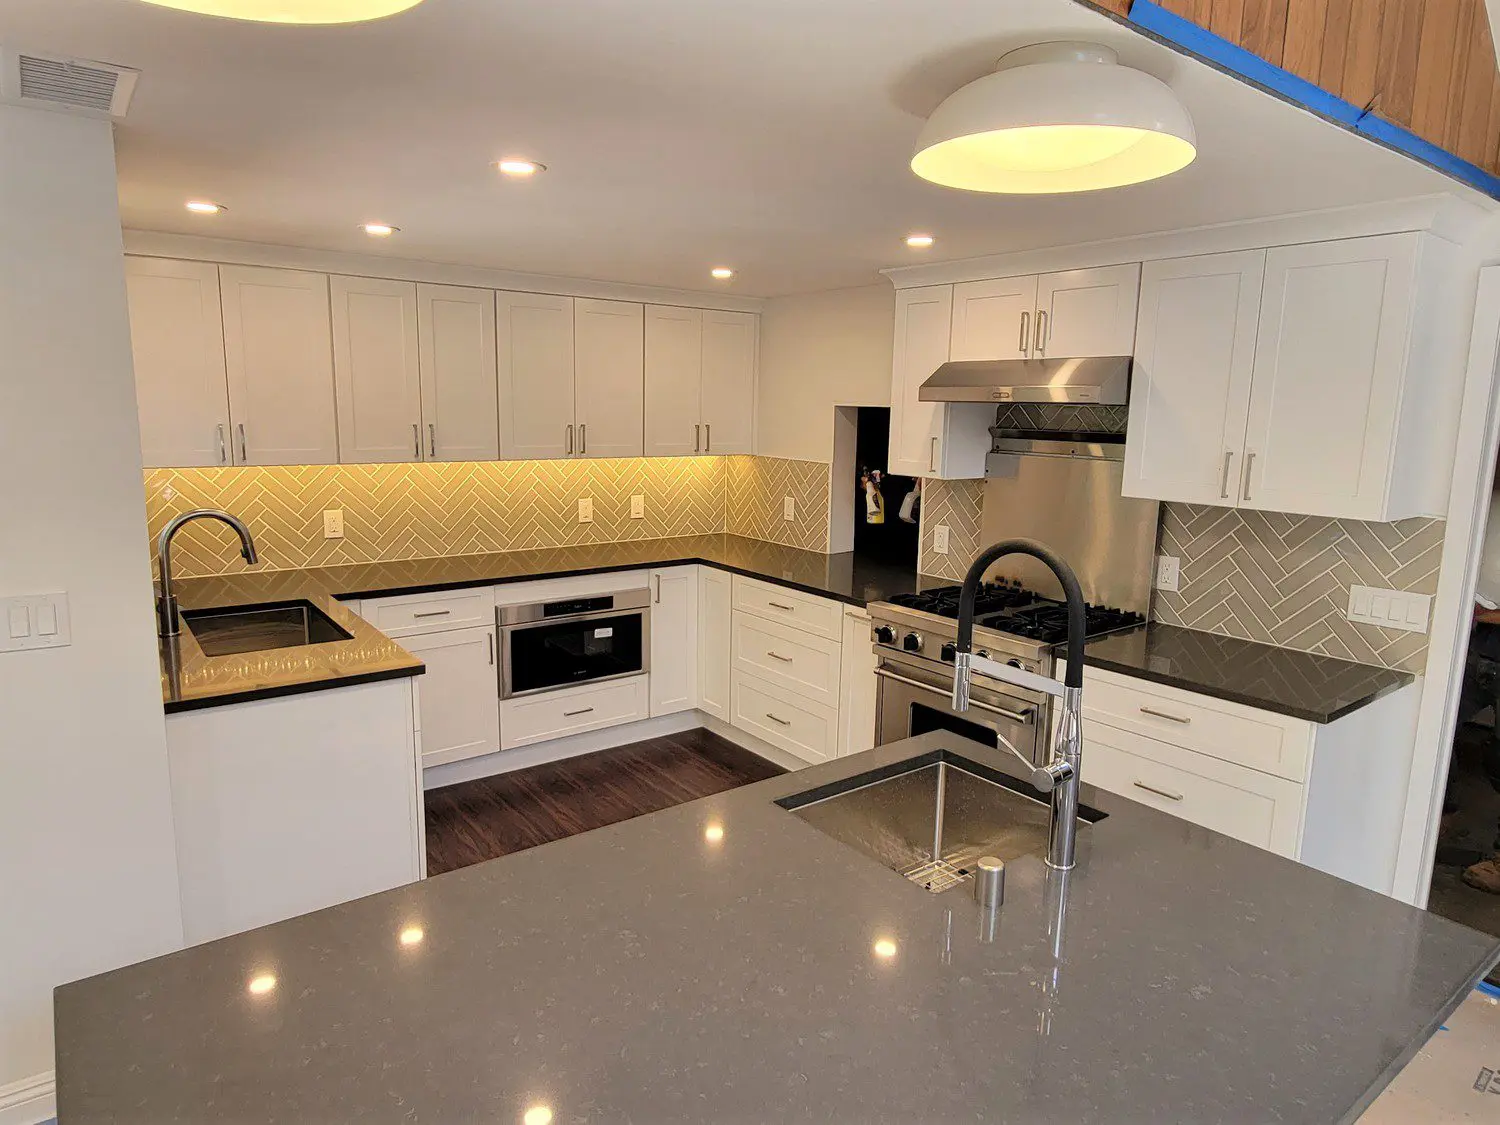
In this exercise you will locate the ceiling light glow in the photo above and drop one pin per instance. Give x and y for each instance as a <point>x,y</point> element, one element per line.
<point>379,230</point>
<point>919,241</point>
<point>537,1115</point>
<point>721,273</point>
<point>412,935</point>
<point>518,168</point>
<point>205,207</point>
<point>292,11</point>
<point>714,833</point>
<point>261,984</point>
<point>1055,118</point>
<point>885,948</point>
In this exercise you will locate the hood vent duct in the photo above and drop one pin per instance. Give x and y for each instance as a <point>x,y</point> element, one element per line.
<point>1103,381</point>
<point>96,89</point>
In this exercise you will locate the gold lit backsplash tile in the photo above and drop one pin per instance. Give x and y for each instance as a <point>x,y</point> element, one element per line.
<point>461,508</point>
<point>756,489</point>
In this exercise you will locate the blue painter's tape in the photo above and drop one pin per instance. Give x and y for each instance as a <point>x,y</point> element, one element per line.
<point>1219,51</point>
<point>1488,989</point>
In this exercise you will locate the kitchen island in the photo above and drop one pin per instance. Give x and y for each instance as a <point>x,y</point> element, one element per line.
<point>725,960</point>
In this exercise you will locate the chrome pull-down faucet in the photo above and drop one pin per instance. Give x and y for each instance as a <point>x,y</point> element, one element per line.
<point>168,623</point>
<point>1060,775</point>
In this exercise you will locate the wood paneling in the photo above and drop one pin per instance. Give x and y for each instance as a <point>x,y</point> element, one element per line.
<point>1426,65</point>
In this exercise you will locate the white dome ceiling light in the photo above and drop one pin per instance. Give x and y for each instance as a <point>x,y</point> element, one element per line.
<point>1054,118</point>
<point>293,11</point>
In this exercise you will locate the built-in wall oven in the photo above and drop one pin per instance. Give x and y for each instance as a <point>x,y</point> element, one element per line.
<point>915,697</point>
<point>572,641</point>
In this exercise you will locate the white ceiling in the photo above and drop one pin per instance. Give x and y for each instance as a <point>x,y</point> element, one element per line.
<point>770,135</point>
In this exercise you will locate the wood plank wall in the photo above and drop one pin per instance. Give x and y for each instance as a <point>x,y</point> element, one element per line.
<point>1426,65</point>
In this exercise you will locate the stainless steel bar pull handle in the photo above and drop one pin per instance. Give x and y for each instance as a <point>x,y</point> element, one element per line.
<point>432,439</point>
<point>572,714</point>
<point>223,449</point>
<point>490,638</point>
<point>778,719</point>
<point>1249,464</point>
<point>1164,715</point>
<point>570,440</point>
<point>433,613</point>
<point>698,438</point>
<point>1041,331</point>
<point>1025,333</point>
<point>708,437</point>
<point>583,437</point>
<point>1158,792</point>
<point>658,589</point>
<point>932,457</point>
<point>244,449</point>
<point>778,656</point>
<point>1224,484</point>
<point>780,605</point>
<point>416,440</point>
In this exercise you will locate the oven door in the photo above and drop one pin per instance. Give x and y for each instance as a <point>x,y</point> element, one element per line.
<point>912,700</point>
<point>543,655</point>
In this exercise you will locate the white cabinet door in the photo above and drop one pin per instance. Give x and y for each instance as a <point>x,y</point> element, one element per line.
<point>375,369</point>
<point>177,344</point>
<point>924,318</point>
<point>1329,365</point>
<point>728,394</point>
<point>857,685</point>
<point>1086,312</point>
<point>1190,390</point>
<point>460,694</point>
<point>456,354</point>
<point>674,378</point>
<point>713,641</point>
<point>534,345</point>
<point>278,348</point>
<point>674,639</point>
<point>609,357</point>
<point>993,319</point>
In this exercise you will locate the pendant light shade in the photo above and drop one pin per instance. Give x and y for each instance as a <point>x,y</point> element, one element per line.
<point>292,11</point>
<point>1053,118</point>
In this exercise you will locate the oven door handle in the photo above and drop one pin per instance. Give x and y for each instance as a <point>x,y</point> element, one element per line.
<point>1027,716</point>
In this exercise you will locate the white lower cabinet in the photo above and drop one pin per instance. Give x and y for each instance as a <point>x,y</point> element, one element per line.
<point>674,639</point>
<point>782,655</point>
<point>553,714</point>
<point>783,719</point>
<point>460,713</point>
<point>856,684</point>
<point>714,616</point>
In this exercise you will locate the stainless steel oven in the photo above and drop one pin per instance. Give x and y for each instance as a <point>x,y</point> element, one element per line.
<point>912,698</point>
<point>558,644</point>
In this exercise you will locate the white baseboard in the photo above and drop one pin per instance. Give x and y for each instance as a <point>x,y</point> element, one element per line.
<point>29,1101</point>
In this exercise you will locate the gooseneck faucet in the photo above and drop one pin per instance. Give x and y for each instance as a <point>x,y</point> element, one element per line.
<point>1060,776</point>
<point>168,623</point>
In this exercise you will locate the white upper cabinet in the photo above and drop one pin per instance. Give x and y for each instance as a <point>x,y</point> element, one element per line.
<point>674,381</point>
<point>1082,313</point>
<point>610,388</point>
<point>375,370</point>
<point>456,356</point>
<point>728,394</point>
<point>534,352</point>
<point>1330,364</point>
<point>931,439</point>
<point>177,342</point>
<point>278,349</point>
<point>1194,351</point>
<point>994,319</point>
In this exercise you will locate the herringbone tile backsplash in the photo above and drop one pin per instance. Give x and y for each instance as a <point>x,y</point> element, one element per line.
<point>958,504</point>
<point>460,508</point>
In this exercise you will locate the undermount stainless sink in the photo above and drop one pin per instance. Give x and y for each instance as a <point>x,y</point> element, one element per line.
<point>930,818</point>
<point>255,628</point>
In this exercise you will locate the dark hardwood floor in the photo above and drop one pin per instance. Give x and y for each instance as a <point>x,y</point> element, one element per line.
<point>494,816</point>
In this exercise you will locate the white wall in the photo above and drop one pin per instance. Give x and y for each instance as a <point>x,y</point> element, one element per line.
<point>88,875</point>
<point>819,351</point>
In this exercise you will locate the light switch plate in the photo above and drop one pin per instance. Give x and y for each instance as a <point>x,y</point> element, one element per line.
<point>1390,609</point>
<point>789,508</point>
<point>34,621</point>
<point>637,507</point>
<point>333,523</point>
<point>585,509</point>
<point>1168,573</point>
<point>940,539</point>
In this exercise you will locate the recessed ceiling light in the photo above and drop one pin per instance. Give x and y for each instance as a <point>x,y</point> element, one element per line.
<point>537,1115</point>
<point>518,168</point>
<point>292,11</point>
<point>412,935</point>
<point>722,273</point>
<point>885,948</point>
<point>713,833</point>
<point>261,984</point>
<point>379,230</point>
<point>205,207</point>
<point>919,241</point>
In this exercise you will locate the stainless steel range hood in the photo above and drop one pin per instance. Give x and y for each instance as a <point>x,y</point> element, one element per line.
<point>1104,381</point>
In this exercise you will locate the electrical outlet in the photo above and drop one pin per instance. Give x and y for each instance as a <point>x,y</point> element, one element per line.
<point>789,508</point>
<point>940,539</point>
<point>333,523</point>
<point>1168,573</point>
<point>585,509</point>
<point>637,507</point>
<point>1390,609</point>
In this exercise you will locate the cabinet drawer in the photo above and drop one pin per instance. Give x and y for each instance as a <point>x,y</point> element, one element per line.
<point>1250,806</point>
<point>537,718</point>
<point>410,614</point>
<point>787,657</point>
<point>783,719</point>
<point>807,612</point>
<point>1274,744</point>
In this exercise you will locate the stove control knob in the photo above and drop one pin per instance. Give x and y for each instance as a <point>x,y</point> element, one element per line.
<point>912,642</point>
<point>1015,664</point>
<point>949,651</point>
<point>885,635</point>
<point>984,652</point>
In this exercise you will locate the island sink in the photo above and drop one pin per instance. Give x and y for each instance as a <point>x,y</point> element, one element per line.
<point>930,818</point>
<point>255,628</point>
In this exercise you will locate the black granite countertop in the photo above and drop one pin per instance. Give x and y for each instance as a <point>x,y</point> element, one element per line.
<point>656,972</point>
<point>1303,685</point>
<point>192,680</point>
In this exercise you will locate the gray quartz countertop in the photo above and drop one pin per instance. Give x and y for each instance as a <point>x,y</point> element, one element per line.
<point>658,971</point>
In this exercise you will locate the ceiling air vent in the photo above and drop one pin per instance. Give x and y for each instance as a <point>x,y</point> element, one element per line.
<point>55,81</point>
